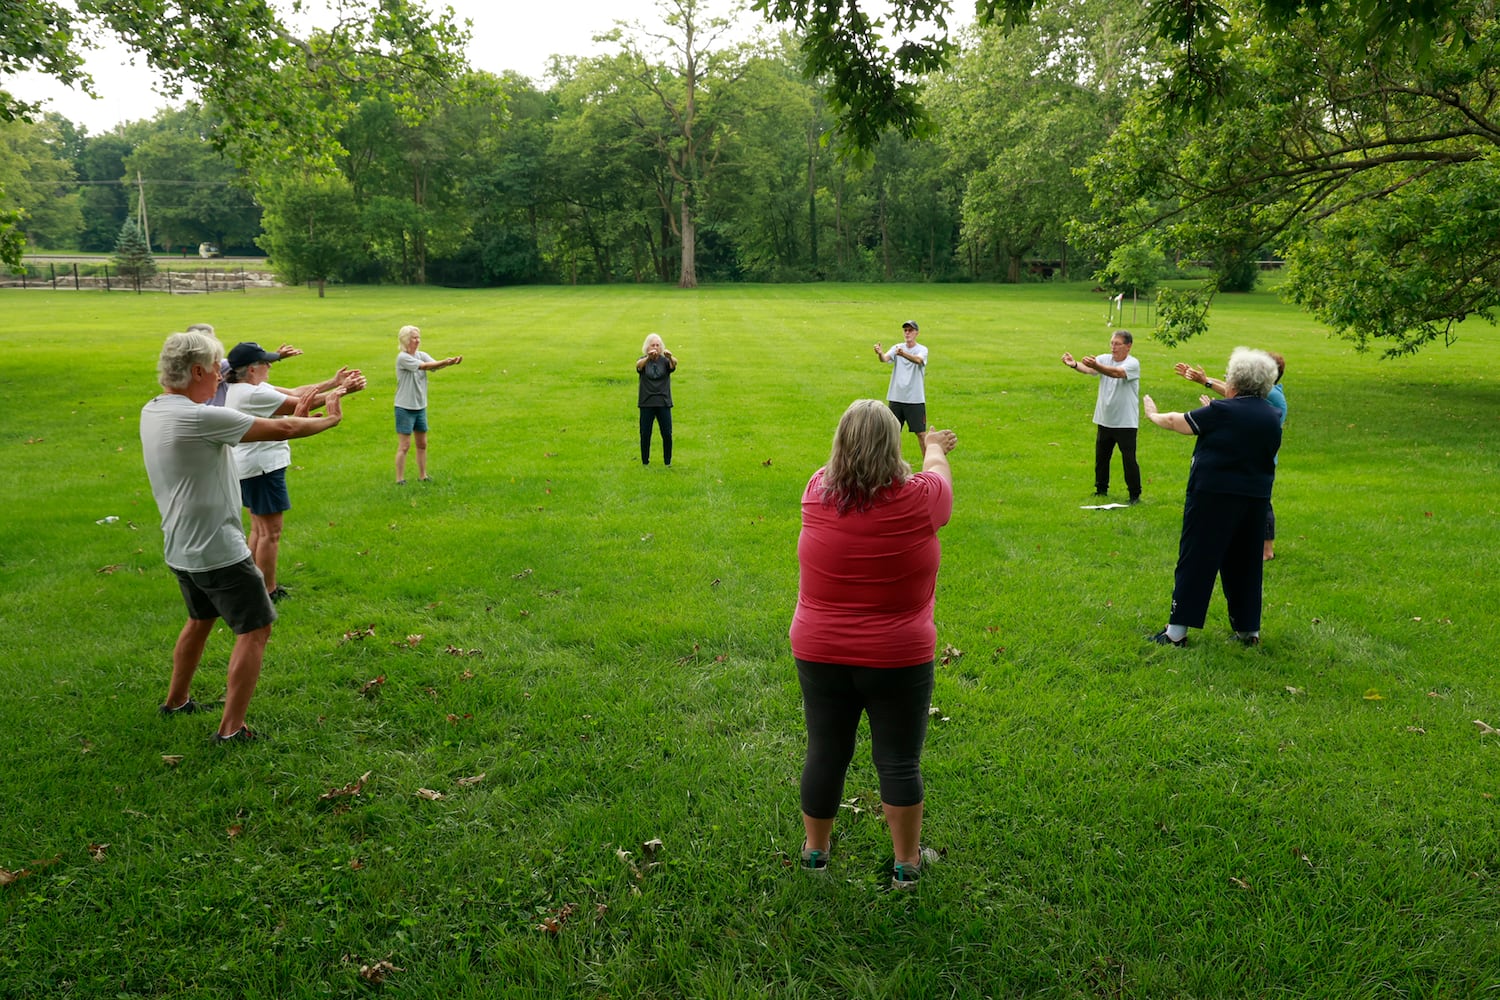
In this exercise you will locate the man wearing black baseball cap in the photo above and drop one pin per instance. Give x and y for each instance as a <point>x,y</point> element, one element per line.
<point>907,394</point>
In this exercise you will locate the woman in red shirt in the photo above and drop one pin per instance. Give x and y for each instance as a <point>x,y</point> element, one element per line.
<point>863,634</point>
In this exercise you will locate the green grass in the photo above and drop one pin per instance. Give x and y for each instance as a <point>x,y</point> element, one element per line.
<point>1314,818</point>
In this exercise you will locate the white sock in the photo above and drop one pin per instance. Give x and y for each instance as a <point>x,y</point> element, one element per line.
<point>1176,632</point>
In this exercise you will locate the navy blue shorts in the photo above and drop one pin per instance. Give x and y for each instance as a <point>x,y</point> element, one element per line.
<point>266,493</point>
<point>234,593</point>
<point>411,420</point>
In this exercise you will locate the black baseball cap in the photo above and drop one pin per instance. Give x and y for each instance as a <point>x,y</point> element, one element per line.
<point>250,353</point>
<point>910,323</point>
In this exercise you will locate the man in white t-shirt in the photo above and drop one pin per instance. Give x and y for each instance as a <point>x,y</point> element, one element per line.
<point>1117,411</point>
<point>907,393</point>
<point>187,450</point>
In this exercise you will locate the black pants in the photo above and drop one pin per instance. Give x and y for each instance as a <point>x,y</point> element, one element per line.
<point>895,698</point>
<point>1104,446</point>
<point>663,416</point>
<point>1222,535</point>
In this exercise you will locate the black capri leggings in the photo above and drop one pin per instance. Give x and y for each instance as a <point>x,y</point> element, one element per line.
<point>895,698</point>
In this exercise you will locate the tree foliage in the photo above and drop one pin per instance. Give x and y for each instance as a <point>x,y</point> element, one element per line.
<point>133,254</point>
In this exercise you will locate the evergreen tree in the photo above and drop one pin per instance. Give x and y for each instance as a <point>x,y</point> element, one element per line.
<point>133,254</point>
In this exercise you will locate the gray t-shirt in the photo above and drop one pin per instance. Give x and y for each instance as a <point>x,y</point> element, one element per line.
<point>188,451</point>
<point>907,385</point>
<point>411,380</point>
<point>1119,403</point>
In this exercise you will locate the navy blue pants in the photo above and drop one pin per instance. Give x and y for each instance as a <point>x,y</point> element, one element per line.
<point>896,700</point>
<point>1222,535</point>
<point>662,415</point>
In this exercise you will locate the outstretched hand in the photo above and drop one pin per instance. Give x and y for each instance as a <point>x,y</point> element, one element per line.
<point>305,401</point>
<point>946,440</point>
<point>287,351</point>
<point>1190,372</point>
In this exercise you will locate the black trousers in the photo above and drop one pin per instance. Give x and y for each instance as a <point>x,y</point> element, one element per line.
<point>1222,535</point>
<point>1104,446</point>
<point>896,700</point>
<point>663,416</point>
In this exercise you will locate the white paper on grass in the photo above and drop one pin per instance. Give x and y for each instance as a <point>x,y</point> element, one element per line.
<point>1102,506</point>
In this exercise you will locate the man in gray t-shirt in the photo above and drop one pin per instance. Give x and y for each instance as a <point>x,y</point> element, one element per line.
<point>1117,413</point>
<point>907,393</point>
<point>188,451</point>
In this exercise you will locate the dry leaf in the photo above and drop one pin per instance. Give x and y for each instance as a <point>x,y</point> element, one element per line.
<point>372,684</point>
<point>521,575</point>
<point>766,462</point>
<point>350,789</point>
<point>470,782</point>
<point>97,850</point>
<point>456,651</point>
<point>377,973</point>
<point>429,794</point>
<point>353,635</point>
<point>109,570</point>
<point>467,675</point>
<point>1485,729</point>
<point>412,641</point>
<point>1240,883</point>
<point>356,864</point>
<point>171,759</point>
<point>7,876</point>
<point>236,830</point>
<point>553,922</point>
<point>950,653</point>
<point>1416,729</point>
<point>1373,695</point>
<point>652,846</point>
<point>646,537</point>
<point>1294,690</point>
<point>715,583</point>
<point>454,720</point>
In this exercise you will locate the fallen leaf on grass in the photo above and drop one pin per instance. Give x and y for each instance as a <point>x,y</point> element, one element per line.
<point>652,846</point>
<point>429,794</point>
<point>376,974</point>
<point>372,684</point>
<point>1416,729</point>
<point>454,720</point>
<point>690,657</point>
<point>553,922</point>
<point>1485,729</point>
<point>98,851</point>
<point>1240,883</point>
<point>646,537</point>
<point>6,875</point>
<point>412,641</point>
<point>350,789</point>
<point>467,675</point>
<point>521,575</point>
<point>1294,691</point>
<point>715,583</point>
<point>934,712</point>
<point>355,634</point>
<point>452,650</point>
<point>85,745</point>
<point>470,782</point>
<point>236,830</point>
<point>171,759</point>
<point>766,462</point>
<point>1373,695</point>
<point>110,570</point>
<point>355,864</point>
<point>950,653</point>
<point>432,693</point>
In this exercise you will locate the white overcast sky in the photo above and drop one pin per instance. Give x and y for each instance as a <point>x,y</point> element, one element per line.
<point>515,35</point>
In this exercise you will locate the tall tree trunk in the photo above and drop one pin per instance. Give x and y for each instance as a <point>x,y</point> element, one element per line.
<point>689,277</point>
<point>812,202</point>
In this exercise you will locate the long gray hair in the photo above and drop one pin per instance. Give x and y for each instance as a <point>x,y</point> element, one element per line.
<point>866,457</point>
<point>174,369</point>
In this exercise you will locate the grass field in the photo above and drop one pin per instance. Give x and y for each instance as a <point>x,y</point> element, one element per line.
<point>605,645</point>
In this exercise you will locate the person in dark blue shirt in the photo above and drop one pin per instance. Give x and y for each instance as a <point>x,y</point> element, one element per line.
<point>1228,493</point>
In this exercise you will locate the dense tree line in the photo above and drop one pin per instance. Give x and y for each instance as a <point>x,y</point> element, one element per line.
<point>676,157</point>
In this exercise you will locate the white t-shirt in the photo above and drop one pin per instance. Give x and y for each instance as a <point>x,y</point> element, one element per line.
<point>411,380</point>
<point>256,458</point>
<point>187,449</point>
<point>907,385</point>
<point>1119,403</point>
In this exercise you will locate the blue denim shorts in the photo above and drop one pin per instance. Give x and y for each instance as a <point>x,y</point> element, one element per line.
<point>411,420</point>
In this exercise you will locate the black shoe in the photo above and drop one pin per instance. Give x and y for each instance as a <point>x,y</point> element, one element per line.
<point>242,735</point>
<point>1101,493</point>
<point>1134,500</point>
<point>186,708</point>
<point>1162,639</point>
<point>1247,640</point>
<point>279,594</point>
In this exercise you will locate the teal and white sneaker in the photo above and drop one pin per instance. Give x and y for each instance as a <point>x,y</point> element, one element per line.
<point>814,861</point>
<point>906,876</point>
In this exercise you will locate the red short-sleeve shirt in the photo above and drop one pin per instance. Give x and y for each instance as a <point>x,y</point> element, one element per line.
<point>869,578</point>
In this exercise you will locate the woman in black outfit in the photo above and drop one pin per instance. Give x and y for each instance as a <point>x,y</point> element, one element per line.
<point>655,368</point>
<point>1228,494</point>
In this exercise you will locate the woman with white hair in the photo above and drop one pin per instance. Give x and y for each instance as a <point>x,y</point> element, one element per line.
<point>655,367</point>
<point>412,367</point>
<point>863,634</point>
<point>1228,494</point>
